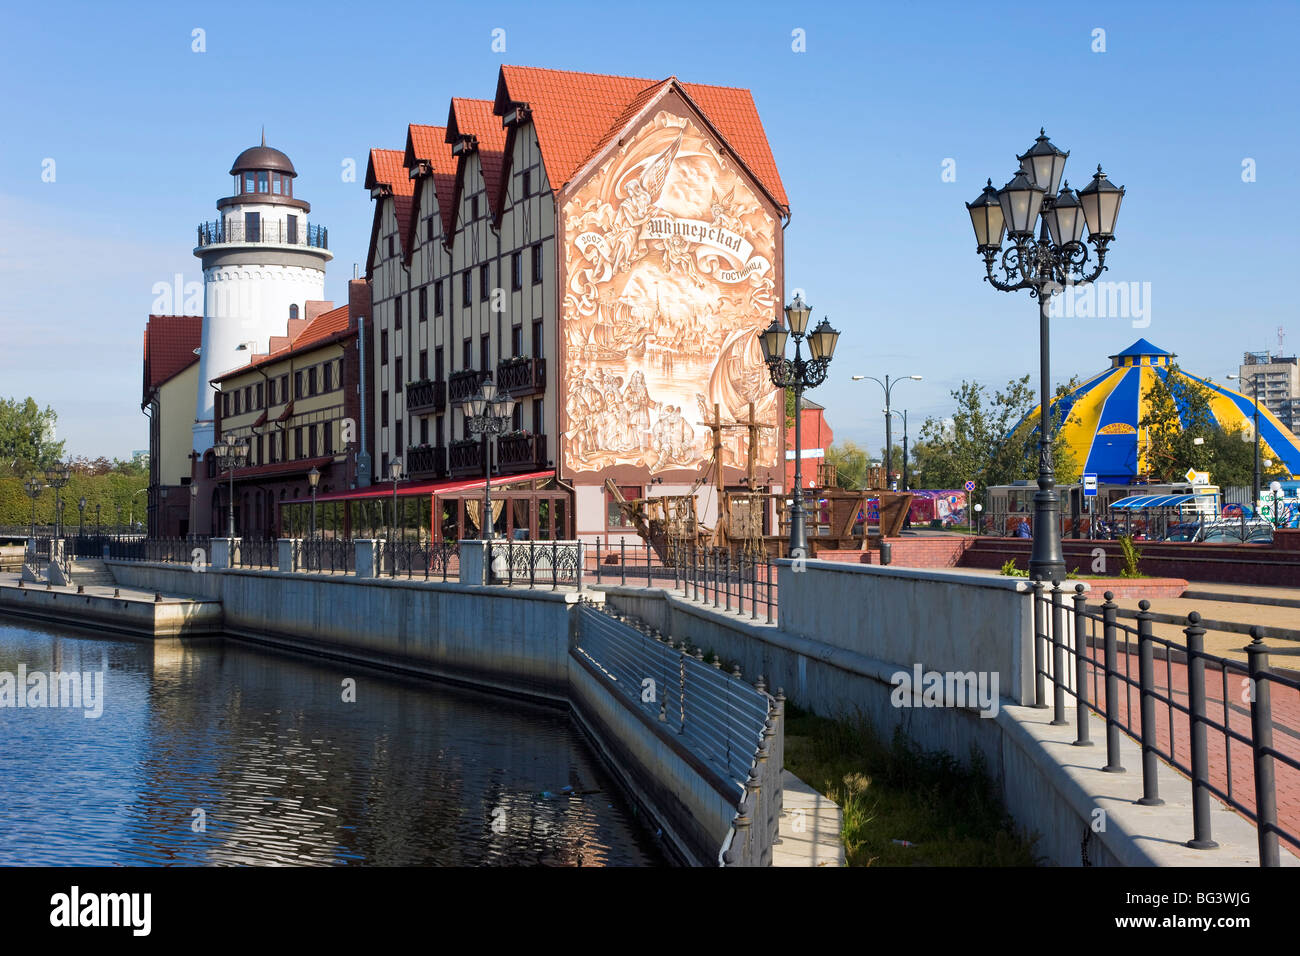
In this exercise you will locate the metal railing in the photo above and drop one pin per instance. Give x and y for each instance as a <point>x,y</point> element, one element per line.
<point>735,729</point>
<point>188,550</point>
<point>427,560</point>
<point>537,562</point>
<point>323,555</point>
<point>1183,695</point>
<point>257,553</point>
<point>741,583</point>
<point>218,231</point>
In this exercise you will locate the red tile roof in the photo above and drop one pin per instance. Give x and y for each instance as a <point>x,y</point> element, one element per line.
<point>386,168</point>
<point>169,344</point>
<point>335,323</point>
<point>428,144</point>
<point>476,118</point>
<point>575,114</point>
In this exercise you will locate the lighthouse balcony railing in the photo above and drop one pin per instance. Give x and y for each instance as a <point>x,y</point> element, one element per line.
<point>224,231</point>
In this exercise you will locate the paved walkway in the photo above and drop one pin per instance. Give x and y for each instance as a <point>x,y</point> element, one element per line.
<point>810,827</point>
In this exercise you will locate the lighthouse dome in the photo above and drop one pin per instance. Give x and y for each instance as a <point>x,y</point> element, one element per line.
<point>262,157</point>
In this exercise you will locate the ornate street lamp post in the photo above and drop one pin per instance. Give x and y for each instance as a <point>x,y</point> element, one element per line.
<point>798,374</point>
<point>33,488</point>
<point>394,475</point>
<point>313,479</point>
<point>231,453</point>
<point>98,531</point>
<point>1056,259</point>
<point>888,385</point>
<point>486,415</point>
<point>81,517</point>
<point>56,478</point>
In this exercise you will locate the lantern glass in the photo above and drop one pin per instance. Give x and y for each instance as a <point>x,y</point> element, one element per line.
<point>489,390</point>
<point>1044,164</point>
<point>772,341</point>
<point>475,406</point>
<point>1100,200</point>
<point>1065,219</point>
<point>395,469</point>
<point>822,341</point>
<point>313,476</point>
<point>505,408</point>
<point>1021,202</point>
<point>986,218</point>
<point>797,313</point>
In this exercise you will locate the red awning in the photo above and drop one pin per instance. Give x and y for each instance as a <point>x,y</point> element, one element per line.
<point>446,486</point>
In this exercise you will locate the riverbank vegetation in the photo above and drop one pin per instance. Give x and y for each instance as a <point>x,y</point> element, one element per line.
<point>903,806</point>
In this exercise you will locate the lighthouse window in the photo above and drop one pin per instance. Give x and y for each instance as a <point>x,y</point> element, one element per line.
<point>248,183</point>
<point>287,183</point>
<point>262,182</point>
<point>275,183</point>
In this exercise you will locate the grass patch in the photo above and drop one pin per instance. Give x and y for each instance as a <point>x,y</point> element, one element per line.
<point>950,813</point>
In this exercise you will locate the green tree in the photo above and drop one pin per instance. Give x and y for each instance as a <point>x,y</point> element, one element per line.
<point>26,437</point>
<point>851,462</point>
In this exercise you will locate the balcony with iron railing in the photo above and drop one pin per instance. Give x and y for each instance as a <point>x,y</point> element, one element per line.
<point>426,396</point>
<point>465,457</point>
<point>426,461</point>
<point>521,452</point>
<point>231,231</point>
<point>521,376</point>
<point>462,386</point>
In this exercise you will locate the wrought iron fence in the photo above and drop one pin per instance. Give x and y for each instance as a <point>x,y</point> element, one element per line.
<point>537,562</point>
<point>426,560</point>
<point>735,729</point>
<point>746,584</point>
<point>217,231</point>
<point>324,555</point>
<point>257,553</point>
<point>1183,695</point>
<point>188,550</point>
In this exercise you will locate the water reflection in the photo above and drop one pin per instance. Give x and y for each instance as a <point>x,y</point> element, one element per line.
<point>212,753</point>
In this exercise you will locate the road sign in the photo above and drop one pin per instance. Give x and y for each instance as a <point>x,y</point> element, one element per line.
<point>970,486</point>
<point>1197,477</point>
<point>1090,486</point>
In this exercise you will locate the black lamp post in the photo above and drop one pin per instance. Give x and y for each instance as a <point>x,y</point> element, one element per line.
<point>98,533</point>
<point>395,475</point>
<point>231,453</point>
<point>313,479</point>
<point>903,415</point>
<point>33,488</point>
<point>888,385</point>
<point>487,414</point>
<point>1056,259</point>
<point>81,517</point>
<point>56,478</point>
<point>798,374</point>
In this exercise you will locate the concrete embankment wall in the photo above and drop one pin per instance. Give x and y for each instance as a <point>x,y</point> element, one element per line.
<point>125,616</point>
<point>843,631</point>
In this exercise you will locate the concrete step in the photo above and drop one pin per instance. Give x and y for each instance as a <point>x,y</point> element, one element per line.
<point>1236,617</point>
<point>1206,592</point>
<point>91,572</point>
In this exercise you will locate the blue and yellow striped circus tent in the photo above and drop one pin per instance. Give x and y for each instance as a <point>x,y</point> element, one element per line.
<point>1101,416</point>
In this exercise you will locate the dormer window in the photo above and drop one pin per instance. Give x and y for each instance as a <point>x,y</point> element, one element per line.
<point>293,312</point>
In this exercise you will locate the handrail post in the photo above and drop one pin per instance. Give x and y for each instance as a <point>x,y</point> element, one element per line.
<point>1261,736</point>
<point>597,560</point>
<point>1081,738</point>
<point>1146,691</point>
<point>1040,628</point>
<point>648,582</point>
<point>727,580</point>
<point>1200,751</point>
<point>717,561</point>
<point>1058,656</point>
<point>768,572</point>
<point>1109,612</point>
<point>622,561</point>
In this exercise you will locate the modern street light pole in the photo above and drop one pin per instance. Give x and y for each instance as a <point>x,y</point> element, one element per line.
<point>1056,259</point>
<point>798,374</point>
<point>903,415</point>
<point>888,385</point>
<point>1255,487</point>
<point>486,414</point>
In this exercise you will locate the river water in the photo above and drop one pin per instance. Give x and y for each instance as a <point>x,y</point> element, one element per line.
<point>217,753</point>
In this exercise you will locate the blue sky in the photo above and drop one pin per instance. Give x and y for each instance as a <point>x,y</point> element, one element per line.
<point>142,130</point>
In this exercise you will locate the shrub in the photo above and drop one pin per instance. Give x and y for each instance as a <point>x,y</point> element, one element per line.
<point>1131,556</point>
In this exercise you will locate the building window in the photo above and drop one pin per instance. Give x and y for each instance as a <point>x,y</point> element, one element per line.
<point>424,364</point>
<point>275,184</point>
<point>516,271</point>
<point>485,352</point>
<point>383,347</point>
<point>327,373</point>
<point>467,288</point>
<point>291,229</point>
<point>253,227</point>
<point>249,183</point>
<point>397,375</point>
<point>517,417</point>
<point>329,438</point>
<point>263,184</point>
<point>311,380</point>
<point>614,514</point>
<point>528,182</point>
<point>473,208</point>
<point>437,297</point>
<point>537,339</point>
<point>466,361</point>
<point>293,312</point>
<point>260,396</point>
<point>284,387</point>
<point>397,445</point>
<point>237,412</point>
<point>483,276</point>
<point>537,263</point>
<point>270,391</point>
<point>299,386</point>
<point>437,363</point>
<point>424,430</point>
<point>517,341</point>
<point>424,303</point>
<point>297,442</point>
<point>438,431</point>
<point>539,420</point>
<point>311,441</point>
<point>397,313</point>
<point>383,410</point>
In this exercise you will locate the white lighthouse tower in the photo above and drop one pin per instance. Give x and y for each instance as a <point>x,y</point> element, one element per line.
<point>262,262</point>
